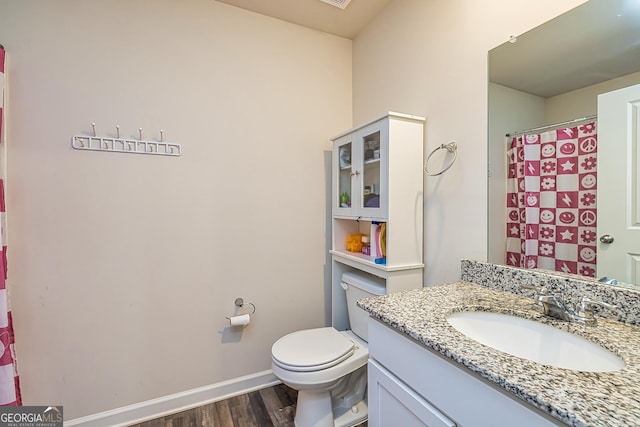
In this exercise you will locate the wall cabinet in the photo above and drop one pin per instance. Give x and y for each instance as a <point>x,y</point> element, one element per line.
<point>360,167</point>
<point>411,382</point>
<point>377,177</point>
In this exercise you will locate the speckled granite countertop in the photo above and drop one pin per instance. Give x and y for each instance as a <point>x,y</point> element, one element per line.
<point>575,398</point>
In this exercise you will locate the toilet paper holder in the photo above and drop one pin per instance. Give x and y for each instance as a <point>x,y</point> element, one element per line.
<point>239,302</point>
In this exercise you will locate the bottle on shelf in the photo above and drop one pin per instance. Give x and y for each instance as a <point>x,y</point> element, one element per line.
<point>366,247</point>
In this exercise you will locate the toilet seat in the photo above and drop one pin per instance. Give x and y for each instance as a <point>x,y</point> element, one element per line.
<point>312,349</point>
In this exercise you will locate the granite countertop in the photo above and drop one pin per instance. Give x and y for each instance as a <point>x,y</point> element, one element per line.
<point>573,397</point>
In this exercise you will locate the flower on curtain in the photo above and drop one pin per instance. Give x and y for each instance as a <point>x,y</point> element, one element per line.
<point>551,200</point>
<point>9,379</point>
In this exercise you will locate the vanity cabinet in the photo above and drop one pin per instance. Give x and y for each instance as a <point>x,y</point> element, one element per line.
<point>409,382</point>
<point>377,178</point>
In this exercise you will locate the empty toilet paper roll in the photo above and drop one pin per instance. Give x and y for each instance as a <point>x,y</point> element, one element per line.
<point>241,320</point>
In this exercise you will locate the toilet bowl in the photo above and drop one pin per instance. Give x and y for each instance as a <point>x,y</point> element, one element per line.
<point>328,367</point>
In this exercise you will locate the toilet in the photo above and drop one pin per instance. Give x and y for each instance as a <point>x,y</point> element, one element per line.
<point>329,367</point>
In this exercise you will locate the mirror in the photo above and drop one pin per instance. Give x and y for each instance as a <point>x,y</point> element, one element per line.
<point>553,74</point>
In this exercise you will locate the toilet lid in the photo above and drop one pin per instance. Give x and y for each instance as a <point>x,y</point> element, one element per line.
<point>312,349</point>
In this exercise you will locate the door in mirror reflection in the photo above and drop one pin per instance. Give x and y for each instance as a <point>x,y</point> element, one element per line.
<point>619,180</point>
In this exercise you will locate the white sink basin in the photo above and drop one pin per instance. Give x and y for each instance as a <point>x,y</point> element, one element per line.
<point>535,341</point>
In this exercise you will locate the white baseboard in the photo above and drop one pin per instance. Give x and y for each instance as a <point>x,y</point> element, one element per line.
<point>162,406</point>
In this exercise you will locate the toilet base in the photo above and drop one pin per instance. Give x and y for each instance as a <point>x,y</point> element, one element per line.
<point>314,409</point>
<point>345,417</point>
<point>344,404</point>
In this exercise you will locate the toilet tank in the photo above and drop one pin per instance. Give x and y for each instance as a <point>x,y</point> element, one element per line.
<point>358,286</point>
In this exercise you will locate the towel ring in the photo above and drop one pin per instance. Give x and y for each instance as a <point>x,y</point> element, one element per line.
<point>451,148</point>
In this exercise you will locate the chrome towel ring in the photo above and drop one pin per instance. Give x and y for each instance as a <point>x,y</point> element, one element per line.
<point>451,148</point>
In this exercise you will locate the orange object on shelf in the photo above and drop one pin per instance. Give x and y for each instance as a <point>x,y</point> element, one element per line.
<point>353,242</point>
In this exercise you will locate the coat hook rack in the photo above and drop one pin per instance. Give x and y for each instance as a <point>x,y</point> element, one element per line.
<point>118,144</point>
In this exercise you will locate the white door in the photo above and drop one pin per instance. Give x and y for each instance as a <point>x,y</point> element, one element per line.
<point>619,184</point>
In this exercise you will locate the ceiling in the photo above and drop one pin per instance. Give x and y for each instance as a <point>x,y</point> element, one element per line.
<point>593,43</point>
<point>316,14</point>
<point>598,41</point>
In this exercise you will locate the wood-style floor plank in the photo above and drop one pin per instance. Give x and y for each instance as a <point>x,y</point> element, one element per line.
<point>270,407</point>
<point>279,414</point>
<point>222,413</point>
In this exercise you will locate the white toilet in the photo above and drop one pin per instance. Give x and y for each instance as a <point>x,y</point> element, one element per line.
<point>329,367</point>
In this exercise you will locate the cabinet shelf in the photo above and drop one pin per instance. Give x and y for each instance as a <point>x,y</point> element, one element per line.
<point>365,260</point>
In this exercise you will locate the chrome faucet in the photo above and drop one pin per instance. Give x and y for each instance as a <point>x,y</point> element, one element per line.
<point>553,306</point>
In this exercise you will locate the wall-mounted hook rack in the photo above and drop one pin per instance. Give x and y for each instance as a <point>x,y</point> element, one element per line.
<point>125,145</point>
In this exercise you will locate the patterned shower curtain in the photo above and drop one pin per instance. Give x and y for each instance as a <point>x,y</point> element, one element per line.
<point>9,380</point>
<point>551,200</point>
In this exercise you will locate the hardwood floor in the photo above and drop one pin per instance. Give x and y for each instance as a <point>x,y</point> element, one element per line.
<point>270,407</point>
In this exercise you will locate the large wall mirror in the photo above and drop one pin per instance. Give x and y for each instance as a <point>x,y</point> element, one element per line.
<point>554,74</point>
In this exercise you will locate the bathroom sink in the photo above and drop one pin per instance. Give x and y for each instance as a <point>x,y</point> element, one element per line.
<point>535,341</point>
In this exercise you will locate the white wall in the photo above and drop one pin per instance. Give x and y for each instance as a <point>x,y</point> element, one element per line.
<point>583,102</point>
<point>430,58</point>
<point>509,110</point>
<point>123,267</point>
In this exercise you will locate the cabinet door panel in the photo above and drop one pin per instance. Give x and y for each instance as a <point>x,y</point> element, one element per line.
<point>372,183</point>
<point>392,403</point>
<point>344,170</point>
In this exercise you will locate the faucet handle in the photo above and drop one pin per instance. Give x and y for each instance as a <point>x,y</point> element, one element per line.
<point>540,292</point>
<point>588,302</point>
<point>585,310</point>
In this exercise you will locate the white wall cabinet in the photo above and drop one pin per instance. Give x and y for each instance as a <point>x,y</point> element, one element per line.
<point>377,176</point>
<point>415,384</point>
<point>361,178</point>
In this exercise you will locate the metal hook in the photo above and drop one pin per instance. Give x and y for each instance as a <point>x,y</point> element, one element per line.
<point>118,131</point>
<point>161,135</point>
<point>140,131</point>
<point>93,125</point>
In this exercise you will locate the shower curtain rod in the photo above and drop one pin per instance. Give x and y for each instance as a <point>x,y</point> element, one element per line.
<point>568,122</point>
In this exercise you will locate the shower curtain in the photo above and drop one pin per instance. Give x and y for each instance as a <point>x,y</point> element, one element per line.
<point>9,379</point>
<point>551,200</point>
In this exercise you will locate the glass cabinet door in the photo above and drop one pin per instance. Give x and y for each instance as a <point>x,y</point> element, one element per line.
<point>370,182</point>
<point>345,168</point>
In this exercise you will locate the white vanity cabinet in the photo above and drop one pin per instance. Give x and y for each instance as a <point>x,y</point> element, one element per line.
<point>411,385</point>
<point>377,177</point>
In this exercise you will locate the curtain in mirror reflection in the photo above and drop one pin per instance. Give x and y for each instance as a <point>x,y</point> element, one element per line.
<point>551,200</point>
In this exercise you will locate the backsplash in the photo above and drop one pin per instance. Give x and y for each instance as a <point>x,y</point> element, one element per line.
<point>570,287</point>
